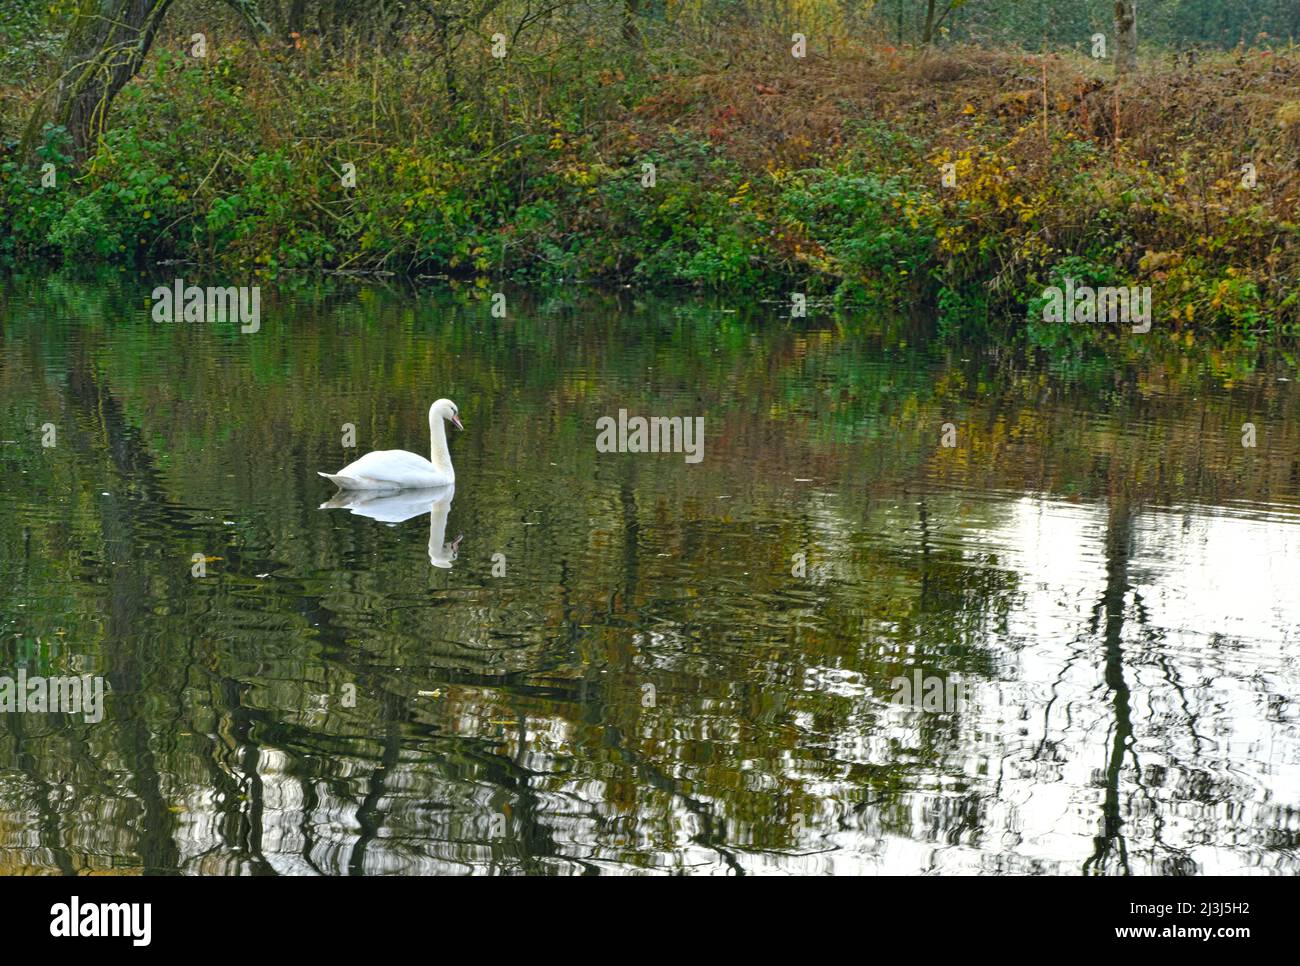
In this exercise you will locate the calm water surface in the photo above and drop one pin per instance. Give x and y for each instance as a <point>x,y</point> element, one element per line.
<point>649,686</point>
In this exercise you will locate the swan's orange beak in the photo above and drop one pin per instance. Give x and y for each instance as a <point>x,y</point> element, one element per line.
<point>455,421</point>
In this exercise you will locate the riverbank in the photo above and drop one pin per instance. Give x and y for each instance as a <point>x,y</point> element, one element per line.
<point>962,182</point>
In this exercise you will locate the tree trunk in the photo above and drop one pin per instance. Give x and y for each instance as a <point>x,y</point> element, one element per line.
<point>442,31</point>
<point>297,16</point>
<point>107,43</point>
<point>1110,854</point>
<point>1126,37</point>
<point>927,33</point>
<point>105,47</point>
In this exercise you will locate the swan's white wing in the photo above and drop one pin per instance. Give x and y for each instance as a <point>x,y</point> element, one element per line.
<point>391,469</point>
<point>387,461</point>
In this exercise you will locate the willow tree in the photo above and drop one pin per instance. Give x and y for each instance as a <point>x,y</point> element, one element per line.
<point>106,45</point>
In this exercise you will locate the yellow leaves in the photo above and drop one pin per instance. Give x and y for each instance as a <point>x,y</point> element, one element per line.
<point>1159,261</point>
<point>1288,115</point>
<point>579,174</point>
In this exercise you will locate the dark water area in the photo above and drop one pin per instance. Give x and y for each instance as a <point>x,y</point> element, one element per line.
<point>592,662</point>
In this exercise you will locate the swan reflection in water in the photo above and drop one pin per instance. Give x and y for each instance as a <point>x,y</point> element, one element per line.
<point>396,506</point>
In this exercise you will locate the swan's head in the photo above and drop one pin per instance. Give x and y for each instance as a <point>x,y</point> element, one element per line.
<point>445,409</point>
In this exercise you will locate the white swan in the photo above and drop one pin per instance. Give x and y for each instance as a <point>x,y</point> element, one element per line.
<point>396,469</point>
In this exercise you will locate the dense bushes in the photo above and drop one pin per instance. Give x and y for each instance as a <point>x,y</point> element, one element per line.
<point>912,180</point>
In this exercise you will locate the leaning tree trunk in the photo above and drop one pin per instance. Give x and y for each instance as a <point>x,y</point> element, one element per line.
<point>106,45</point>
<point>1126,37</point>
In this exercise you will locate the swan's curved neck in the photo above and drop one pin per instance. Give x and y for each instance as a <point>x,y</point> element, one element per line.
<point>439,455</point>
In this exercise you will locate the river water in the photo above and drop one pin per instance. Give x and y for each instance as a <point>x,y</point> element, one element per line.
<point>914,610</point>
